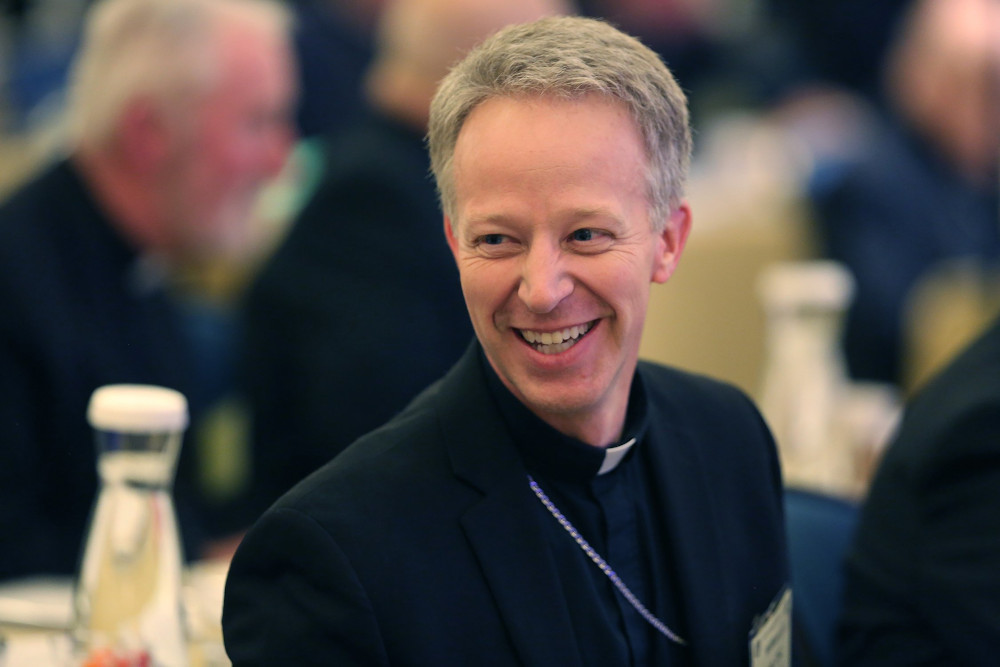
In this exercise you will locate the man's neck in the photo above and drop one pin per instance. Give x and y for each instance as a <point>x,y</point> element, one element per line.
<point>597,428</point>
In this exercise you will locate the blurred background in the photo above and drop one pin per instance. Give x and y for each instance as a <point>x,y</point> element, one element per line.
<point>845,240</point>
<point>844,190</point>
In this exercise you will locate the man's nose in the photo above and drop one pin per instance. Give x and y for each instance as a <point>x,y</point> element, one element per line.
<point>544,280</point>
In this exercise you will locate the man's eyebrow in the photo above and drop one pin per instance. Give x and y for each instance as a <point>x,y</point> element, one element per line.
<point>502,219</point>
<point>599,213</point>
<point>591,212</point>
<point>489,217</point>
<point>572,215</point>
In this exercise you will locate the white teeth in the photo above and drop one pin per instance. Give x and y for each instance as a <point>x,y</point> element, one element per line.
<point>555,341</point>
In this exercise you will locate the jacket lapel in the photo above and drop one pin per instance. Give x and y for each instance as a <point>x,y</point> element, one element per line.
<point>522,576</point>
<point>503,527</point>
<point>686,498</point>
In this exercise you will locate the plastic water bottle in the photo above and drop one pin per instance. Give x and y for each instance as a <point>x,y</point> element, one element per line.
<point>805,382</point>
<point>127,599</point>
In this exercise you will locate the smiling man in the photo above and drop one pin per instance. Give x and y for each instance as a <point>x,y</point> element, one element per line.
<point>552,500</point>
<point>557,251</point>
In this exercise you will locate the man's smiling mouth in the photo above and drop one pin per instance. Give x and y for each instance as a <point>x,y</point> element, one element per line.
<point>554,342</point>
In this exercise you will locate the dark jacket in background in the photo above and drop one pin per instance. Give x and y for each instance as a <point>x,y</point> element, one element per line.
<point>357,312</point>
<point>77,311</point>
<point>923,577</point>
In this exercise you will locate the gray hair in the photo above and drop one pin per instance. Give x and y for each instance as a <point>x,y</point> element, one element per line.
<point>163,49</point>
<point>568,58</point>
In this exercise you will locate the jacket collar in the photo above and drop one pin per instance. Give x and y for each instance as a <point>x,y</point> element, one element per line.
<point>507,538</point>
<point>685,494</point>
<point>503,526</point>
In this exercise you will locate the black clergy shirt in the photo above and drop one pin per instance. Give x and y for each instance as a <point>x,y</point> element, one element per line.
<point>616,514</point>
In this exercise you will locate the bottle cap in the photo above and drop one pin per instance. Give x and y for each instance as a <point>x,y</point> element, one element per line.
<point>136,408</point>
<point>822,284</point>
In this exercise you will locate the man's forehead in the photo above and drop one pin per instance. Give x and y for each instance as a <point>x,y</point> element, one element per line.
<point>543,99</point>
<point>538,136</point>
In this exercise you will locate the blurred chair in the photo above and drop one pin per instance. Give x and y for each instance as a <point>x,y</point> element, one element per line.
<point>948,308</point>
<point>819,529</point>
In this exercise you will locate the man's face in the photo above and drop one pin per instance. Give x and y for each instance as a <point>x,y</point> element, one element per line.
<point>238,139</point>
<point>556,253</point>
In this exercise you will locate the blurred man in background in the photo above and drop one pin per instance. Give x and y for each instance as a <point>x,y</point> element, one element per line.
<point>361,308</point>
<point>179,112</point>
<point>922,585</point>
<point>923,190</point>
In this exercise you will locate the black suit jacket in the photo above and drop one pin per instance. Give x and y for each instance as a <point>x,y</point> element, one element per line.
<point>421,544</point>
<point>332,349</point>
<point>923,575</point>
<point>74,315</point>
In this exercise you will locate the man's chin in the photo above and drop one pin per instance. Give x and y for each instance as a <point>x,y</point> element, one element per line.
<point>558,400</point>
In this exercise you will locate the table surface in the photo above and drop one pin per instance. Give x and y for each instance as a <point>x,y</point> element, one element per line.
<point>36,614</point>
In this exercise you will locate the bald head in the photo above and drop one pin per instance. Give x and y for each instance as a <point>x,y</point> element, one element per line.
<point>943,74</point>
<point>418,40</point>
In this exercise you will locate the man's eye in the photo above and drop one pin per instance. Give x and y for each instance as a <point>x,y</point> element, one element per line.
<point>583,235</point>
<point>493,239</point>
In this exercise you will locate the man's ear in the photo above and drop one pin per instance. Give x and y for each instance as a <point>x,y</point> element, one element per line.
<point>144,135</point>
<point>449,234</point>
<point>670,243</point>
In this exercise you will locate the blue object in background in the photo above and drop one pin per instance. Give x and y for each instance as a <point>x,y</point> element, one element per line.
<point>819,529</point>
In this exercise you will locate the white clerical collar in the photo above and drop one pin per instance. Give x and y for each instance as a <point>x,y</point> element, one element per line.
<point>614,455</point>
